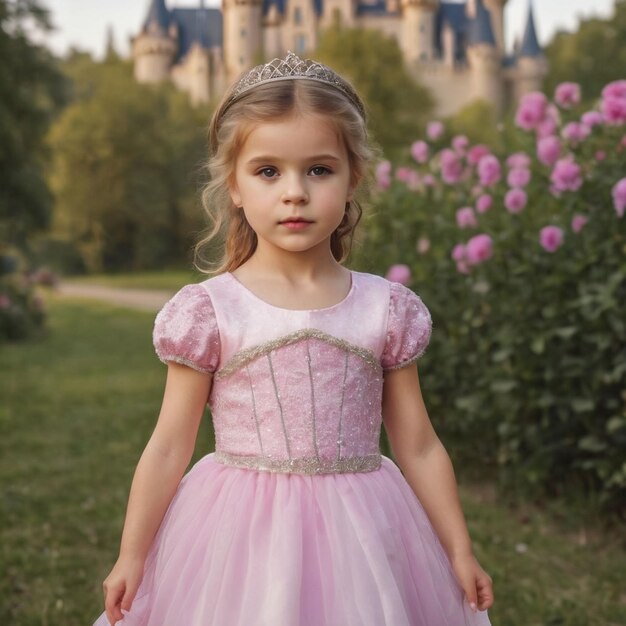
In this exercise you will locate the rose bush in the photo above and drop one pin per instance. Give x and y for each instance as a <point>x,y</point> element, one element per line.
<point>22,311</point>
<point>521,259</point>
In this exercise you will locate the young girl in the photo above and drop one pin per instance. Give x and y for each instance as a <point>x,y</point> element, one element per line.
<point>296,519</point>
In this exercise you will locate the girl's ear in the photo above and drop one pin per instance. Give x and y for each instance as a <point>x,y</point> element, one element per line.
<point>235,196</point>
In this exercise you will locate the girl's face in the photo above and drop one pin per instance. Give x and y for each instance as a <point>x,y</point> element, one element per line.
<point>292,178</point>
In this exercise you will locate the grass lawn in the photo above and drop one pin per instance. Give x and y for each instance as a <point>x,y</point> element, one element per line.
<point>77,408</point>
<point>170,280</point>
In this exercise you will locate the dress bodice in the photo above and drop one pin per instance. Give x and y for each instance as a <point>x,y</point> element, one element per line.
<point>295,390</point>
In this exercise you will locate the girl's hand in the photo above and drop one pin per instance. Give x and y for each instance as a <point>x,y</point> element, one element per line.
<point>476,583</point>
<point>120,587</point>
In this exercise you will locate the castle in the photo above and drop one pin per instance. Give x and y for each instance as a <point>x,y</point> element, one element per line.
<point>455,49</point>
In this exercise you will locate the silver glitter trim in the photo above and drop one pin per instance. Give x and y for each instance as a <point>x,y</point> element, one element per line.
<point>237,361</point>
<point>256,417</point>
<point>304,465</point>
<point>183,361</point>
<point>280,406</point>
<point>407,362</point>
<point>343,394</point>
<point>308,360</point>
<point>290,68</point>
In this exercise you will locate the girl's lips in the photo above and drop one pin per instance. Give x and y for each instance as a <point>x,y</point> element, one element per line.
<point>295,224</point>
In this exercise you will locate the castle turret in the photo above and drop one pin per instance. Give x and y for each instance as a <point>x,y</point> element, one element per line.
<point>417,38</point>
<point>496,8</point>
<point>242,35</point>
<point>532,65</point>
<point>154,49</point>
<point>484,57</point>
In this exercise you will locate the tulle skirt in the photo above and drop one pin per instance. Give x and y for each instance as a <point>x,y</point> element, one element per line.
<point>239,547</point>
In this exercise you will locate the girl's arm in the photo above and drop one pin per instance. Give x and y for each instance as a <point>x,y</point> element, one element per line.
<point>428,470</point>
<point>159,471</point>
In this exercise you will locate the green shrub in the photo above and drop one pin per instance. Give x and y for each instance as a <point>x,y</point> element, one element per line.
<point>527,366</point>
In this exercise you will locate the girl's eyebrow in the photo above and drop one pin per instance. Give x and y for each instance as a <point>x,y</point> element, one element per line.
<point>269,158</point>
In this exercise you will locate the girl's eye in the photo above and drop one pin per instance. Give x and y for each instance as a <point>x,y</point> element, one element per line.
<point>267,172</point>
<point>320,170</point>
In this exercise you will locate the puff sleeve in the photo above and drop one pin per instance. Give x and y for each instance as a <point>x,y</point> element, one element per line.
<point>409,327</point>
<point>186,331</point>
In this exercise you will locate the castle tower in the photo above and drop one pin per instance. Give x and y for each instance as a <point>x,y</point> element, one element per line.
<point>532,65</point>
<point>496,8</point>
<point>272,42</point>
<point>154,49</point>
<point>242,35</point>
<point>484,57</point>
<point>417,38</point>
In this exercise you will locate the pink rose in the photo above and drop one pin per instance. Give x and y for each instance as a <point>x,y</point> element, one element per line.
<point>518,177</point>
<point>575,133</point>
<point>429,180</point>
<point>548,150</point>
<point>465,217</point>
<point>578,221</point>
<point>423,245</point>
<point>616,89</point>
<point>484,203</point>
<point>600,155</point>
<point>550,123</point>
<point>567,95</point>
<point>592,118</point>
<point>476,153</point>
<point>551,238</point>
<point>434,130</point>
<point>459,252</point>
<point>531,110</point>
<point>519,159</point>
<point>619,197</point>
<point>383,174</point>
<point>399,274</point>
<point>614,110</point>
<point>5,301</point>
<point>451,167</point>
<point>412,180</point>
<point>489,170</point>
<point>566,175</point>
<point>479,248</point>
<point>460,143</point>
<point>419,151</point>
<point>403,174</point>
<point>515,200</point>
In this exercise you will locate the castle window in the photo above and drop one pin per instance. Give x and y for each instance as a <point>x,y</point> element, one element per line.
<point>300,44</point>
<point>297,15</point>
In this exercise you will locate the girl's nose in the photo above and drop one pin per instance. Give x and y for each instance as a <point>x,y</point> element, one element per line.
<point>295,190</point>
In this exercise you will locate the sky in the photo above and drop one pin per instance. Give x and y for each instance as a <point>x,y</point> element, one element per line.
<point>84,23</point>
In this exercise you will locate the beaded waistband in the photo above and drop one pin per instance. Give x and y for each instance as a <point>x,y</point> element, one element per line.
<point>305,465</point>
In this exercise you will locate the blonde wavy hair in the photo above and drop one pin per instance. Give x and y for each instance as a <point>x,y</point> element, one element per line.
<point>227,134</point>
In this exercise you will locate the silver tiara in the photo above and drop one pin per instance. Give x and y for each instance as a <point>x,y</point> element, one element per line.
<point>290,68</point>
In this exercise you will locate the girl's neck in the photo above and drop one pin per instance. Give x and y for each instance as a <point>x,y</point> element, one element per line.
<point>294,268</point>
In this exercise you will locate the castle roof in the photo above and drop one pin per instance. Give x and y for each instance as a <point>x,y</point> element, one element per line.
<point>530,43</point>
<point>203,26</point>
<point>157,14</point>
<point>479,28</point>
<point>454,16</point>
<point>281,5</point>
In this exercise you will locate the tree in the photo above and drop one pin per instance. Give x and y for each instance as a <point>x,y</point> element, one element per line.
<point>373,61</point>
<point>31,93</point>
<point>593,56</point>
<point>122,173</point>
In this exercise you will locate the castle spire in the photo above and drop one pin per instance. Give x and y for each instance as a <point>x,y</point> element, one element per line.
<point>158,15</point>
<point>479,28</point>
<point>530,43</point>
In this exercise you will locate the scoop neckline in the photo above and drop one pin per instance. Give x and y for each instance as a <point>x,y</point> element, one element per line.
<point>252,295</point>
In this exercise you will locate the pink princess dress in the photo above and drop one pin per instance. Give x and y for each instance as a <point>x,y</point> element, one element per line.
<point>296,519</point>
